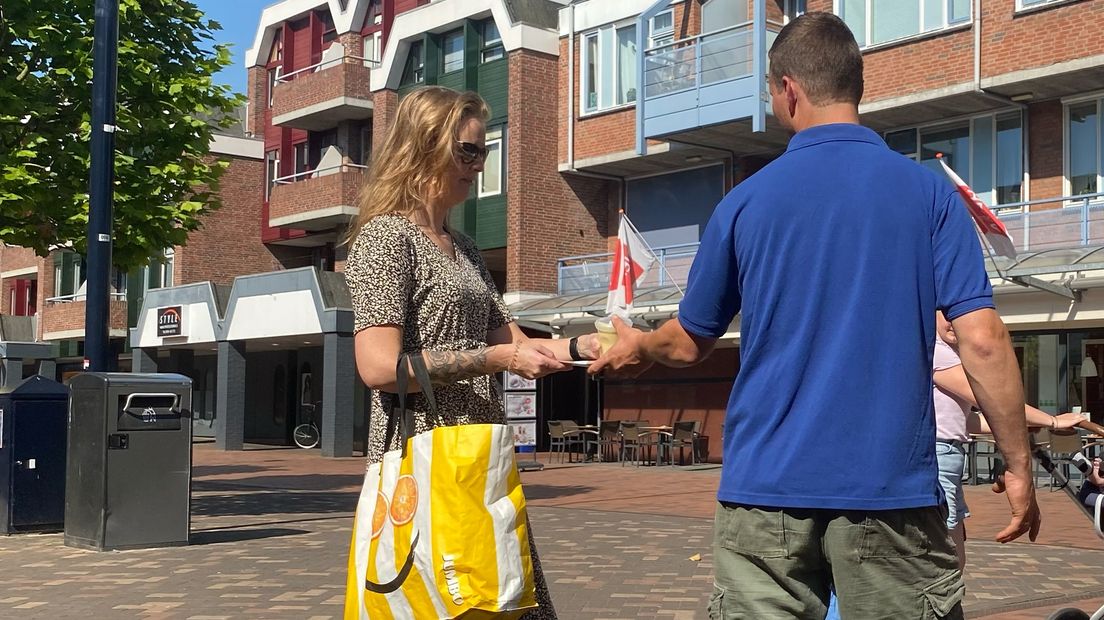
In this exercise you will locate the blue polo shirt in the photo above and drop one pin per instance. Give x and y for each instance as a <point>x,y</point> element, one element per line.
<point>836,255</point>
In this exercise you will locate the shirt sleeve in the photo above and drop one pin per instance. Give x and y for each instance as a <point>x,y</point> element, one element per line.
<point>712,296</point>
<point>380,274</point>
<point>961,283</point>
<point>944,357</point>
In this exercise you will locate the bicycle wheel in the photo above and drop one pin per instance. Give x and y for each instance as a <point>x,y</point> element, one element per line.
<point>306,436</point>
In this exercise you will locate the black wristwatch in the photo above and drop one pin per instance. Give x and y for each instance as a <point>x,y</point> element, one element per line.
<point>573,349</point>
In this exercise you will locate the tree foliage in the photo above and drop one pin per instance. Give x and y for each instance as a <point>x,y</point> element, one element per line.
<point>164,179</point>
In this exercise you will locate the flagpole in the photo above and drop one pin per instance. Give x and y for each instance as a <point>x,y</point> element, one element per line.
<point>662,263</point>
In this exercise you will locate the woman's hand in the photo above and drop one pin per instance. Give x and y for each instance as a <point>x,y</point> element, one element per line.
<point>533,361</point>
<point>588,346</point>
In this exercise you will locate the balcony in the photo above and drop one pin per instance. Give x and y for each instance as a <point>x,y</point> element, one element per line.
<point>1052,235</point>
<point>318,97</point>
<point>591,272</point>
<point>317,200</point>
<point>63,317</point>
<point>711,89</point>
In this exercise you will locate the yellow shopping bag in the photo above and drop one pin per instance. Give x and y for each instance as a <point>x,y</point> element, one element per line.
<point>440,529</point>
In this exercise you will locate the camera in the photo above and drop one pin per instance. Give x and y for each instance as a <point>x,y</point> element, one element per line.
<point>1084,464</point>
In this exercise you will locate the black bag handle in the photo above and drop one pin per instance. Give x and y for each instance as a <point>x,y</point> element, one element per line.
<point>404,417</point>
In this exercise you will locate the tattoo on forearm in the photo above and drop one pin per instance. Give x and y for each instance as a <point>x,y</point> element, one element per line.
<point>452,366</point>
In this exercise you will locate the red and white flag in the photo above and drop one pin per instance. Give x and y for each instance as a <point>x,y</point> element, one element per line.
<point>987,222</point>
<point>632,260</point>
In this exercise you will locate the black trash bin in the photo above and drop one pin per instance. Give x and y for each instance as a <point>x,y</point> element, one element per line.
<point>32,456</point>
<point>129,475</point>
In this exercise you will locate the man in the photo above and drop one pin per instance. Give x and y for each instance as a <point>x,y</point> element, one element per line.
<point>837,255</point>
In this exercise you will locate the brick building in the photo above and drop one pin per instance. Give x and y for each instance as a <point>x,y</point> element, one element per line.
<point>666,100</point>
<point>656,107</point>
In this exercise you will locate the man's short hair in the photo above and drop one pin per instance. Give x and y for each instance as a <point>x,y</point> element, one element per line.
<point>819,51</point>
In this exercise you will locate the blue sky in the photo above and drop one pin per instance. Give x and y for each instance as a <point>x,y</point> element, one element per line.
<point>239,19</point>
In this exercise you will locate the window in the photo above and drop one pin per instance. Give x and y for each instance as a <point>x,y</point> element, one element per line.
<point>452,52</point>
<point>723,14</point>
<point>373,46</point>
<point>1083,148</point>
<point>609,68</point>
<point>273,75</point>
<point>986,151</point>
<point>272,171</point>
<point>880,21</point>
<point>277,52</point>
<point>1027,4</point>
<point>490,180</point>
<point>414,71</point>
<point>792,9</point>
<point>492,42</point>
<point>661,29</point>
<point>300,153</point>
<point>329,31</point>
<point>167,267</point>
<point>1009,160</point>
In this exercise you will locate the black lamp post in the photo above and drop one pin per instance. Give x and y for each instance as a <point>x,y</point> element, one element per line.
<point>97,346</point>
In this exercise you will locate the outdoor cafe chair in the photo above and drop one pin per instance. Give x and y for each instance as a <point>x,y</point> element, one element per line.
<point>634,439</point>
<point>584,437</point>
<point>609,439</point>
<point>685,435</point>
<point>561,439</point>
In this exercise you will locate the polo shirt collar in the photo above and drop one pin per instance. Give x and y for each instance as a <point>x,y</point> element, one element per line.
<point>835,132</point>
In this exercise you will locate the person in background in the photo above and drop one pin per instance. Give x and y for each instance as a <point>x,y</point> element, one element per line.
<point>954,398</point>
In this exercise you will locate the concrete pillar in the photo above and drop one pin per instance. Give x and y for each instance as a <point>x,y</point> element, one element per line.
<point>230,411</point>
<point>48,369</point>
<point>11,371</point>
<point>143,360</point>
<point>339,386</point>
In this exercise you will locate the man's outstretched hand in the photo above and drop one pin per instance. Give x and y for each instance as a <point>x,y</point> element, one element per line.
<point>625,358</point>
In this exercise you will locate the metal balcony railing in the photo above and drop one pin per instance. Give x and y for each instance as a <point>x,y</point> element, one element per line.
<point>326,64</point>
<point>702,60</point>
<point>591,272</point>
<point>65,299</point>
<point>1051,223</point>
<point>317,172</point>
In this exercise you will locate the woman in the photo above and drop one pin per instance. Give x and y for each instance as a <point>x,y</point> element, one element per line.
<point>419,287</point>
<point>954,397</point>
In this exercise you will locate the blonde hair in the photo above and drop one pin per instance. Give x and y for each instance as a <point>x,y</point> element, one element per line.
<point>419,150</point>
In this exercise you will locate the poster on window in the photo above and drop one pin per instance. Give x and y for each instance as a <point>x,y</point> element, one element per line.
<point>525,432</point>
<point>517,382</point>
<point>521,405</point>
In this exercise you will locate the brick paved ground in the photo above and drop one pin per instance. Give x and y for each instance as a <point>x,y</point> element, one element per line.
<point>271,526</point>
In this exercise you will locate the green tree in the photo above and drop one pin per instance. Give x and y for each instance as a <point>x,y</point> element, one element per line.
<point>164,179</point>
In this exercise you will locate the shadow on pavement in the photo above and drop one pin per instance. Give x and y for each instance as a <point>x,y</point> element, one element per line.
<point>215,537</point>
<point>547,491</point>
<point>303,482</point>
<point>272,502</point>
<point>199,471</point>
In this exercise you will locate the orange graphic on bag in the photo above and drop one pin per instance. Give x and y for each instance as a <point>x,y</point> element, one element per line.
<point>404,501</point>
<point>379,516</point>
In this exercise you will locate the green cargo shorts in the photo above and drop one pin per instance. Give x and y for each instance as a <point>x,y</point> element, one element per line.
<point>780,563</point>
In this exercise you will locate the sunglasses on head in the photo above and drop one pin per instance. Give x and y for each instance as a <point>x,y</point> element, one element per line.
<point>469,152</point>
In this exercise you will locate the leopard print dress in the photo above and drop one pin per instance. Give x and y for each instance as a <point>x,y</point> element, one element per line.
<point>398,276</point>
